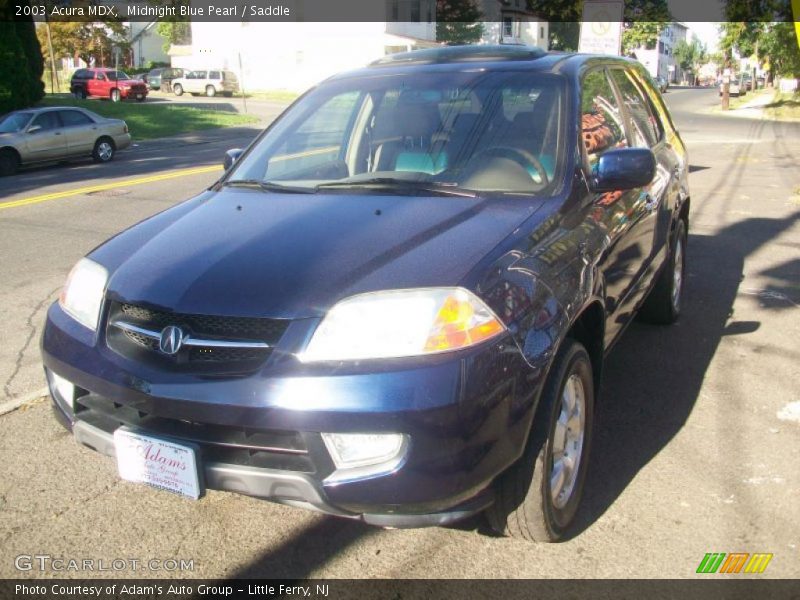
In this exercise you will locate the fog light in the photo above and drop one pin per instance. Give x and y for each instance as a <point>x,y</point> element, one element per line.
<point>360,455</point>
<point>62,390</point>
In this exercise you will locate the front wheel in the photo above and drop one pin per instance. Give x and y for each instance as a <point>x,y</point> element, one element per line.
<point>663,305</point>
<point>538,497</point>
<point>178,89</point>
<point>115,96</point>
<point>211,91</point>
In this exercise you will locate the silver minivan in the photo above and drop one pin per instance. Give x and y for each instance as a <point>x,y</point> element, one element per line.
<point>208,82</point>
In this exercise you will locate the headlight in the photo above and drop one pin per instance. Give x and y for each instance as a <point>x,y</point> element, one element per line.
<point>83,293</point>
<point>401,323</point>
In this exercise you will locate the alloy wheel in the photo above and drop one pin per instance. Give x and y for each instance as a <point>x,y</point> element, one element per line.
<point>568,441</point>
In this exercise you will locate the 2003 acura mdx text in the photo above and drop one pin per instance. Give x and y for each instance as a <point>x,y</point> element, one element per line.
<point>395,304</point>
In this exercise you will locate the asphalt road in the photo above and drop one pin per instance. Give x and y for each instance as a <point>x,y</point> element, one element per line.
<point>698,433</point>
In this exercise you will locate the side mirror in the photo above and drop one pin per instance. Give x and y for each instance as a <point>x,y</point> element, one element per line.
<point>34,128</point>
<point>624,169</point>
<point>231,156</point>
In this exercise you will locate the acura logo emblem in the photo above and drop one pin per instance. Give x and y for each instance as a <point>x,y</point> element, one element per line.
<point>171,340</point>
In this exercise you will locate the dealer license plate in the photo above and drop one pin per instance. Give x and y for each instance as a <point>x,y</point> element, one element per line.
<point>156,462</point>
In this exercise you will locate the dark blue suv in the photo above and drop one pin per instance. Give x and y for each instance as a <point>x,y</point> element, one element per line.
<point>394,306</point>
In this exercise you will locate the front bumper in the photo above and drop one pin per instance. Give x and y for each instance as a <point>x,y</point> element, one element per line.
<point>467,416</point>
<point>127,92</point>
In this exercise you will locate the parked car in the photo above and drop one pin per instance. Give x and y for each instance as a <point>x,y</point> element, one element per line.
<point>400,304</point>
<point>210,83</point>
<point>45,134</point>
<point>663,84</point>
<point>153,79</point>
<point>106,83</point>
<point>168,75</point>
<point>734,89</point>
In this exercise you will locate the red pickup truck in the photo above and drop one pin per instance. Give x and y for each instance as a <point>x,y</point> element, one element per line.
<point>107,83</point>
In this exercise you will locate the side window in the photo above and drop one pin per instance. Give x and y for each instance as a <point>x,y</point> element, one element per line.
<point>199,74</point>
<point>47,120</point>
<point>101,77</point>
<point>654,101</point>
<point>601,122</point>
<point>72,118</point>
<point>317,142</point>
<point>214,75</point>
<point>644,128</point>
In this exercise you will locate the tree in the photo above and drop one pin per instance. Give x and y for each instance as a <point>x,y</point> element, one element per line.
<point>644,20</point>
<point>779,45</point>
<point>21,83</point>
<point>690,55</point>
<point>86,40</point>
<point>458,22</point>
<point>174,32</point>
<point>564,17</point>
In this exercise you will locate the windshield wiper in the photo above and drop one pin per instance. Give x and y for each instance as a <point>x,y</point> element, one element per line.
<point>268,186</point>
<point>439,188</point>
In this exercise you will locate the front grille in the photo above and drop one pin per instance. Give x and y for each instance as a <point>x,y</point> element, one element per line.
<point>212,342</point>
<point>251,447</point>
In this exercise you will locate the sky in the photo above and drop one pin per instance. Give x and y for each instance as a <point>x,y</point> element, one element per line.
<point>706,33</point>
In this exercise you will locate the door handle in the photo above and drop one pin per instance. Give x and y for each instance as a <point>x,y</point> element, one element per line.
<point>57,133</point>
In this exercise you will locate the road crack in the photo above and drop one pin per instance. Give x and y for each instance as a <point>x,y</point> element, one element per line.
<point>21,353</point>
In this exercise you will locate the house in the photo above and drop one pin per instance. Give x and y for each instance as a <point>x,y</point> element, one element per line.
<point>147,45</point>
<point>659,61</point>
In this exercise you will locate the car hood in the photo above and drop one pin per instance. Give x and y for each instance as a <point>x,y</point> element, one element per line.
<point>247,253</point>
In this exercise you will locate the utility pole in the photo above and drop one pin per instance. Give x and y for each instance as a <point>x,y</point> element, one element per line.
<point>726,82</point>
<point>53,73</point>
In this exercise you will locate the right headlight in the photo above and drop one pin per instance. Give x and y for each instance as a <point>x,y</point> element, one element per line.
<point>399,323</point>
<point>83,292</point>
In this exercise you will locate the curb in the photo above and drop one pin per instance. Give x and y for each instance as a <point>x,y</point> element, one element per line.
<point>12,405</point>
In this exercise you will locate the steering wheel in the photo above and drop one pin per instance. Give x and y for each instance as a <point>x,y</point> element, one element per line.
<point>522,157</point>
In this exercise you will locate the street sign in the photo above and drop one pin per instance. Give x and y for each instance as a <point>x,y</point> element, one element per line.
<point>601,27</point>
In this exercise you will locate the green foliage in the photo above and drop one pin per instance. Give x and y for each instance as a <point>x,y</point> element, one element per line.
<point>779,45</point>
<point>85,40</point>
<point>458,22</point>
<point>174,32</point>
<point>565,36</point>
<point>644,20</point>
<point>564,17</point>
<point>20,62</point>
<point>690,55</point>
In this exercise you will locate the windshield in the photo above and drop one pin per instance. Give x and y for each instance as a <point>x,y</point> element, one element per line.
<point>14,122</point>
<point>116,75</point>
<point>479,131</point>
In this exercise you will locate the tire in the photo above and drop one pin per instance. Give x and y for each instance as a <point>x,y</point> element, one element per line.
<point>663,305</point>
<point>525,506</point>
<point>211,91</point>
<point>104,150</point>
<point>9,162</point>
<point>142,99</point>
<point>115,96</point>
<point>178,89</point>
<point>227,94</point>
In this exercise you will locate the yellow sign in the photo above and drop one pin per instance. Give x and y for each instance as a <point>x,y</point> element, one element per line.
<point>796,12</point>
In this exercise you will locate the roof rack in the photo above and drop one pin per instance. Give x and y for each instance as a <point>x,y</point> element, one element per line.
<point>455,54</point>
